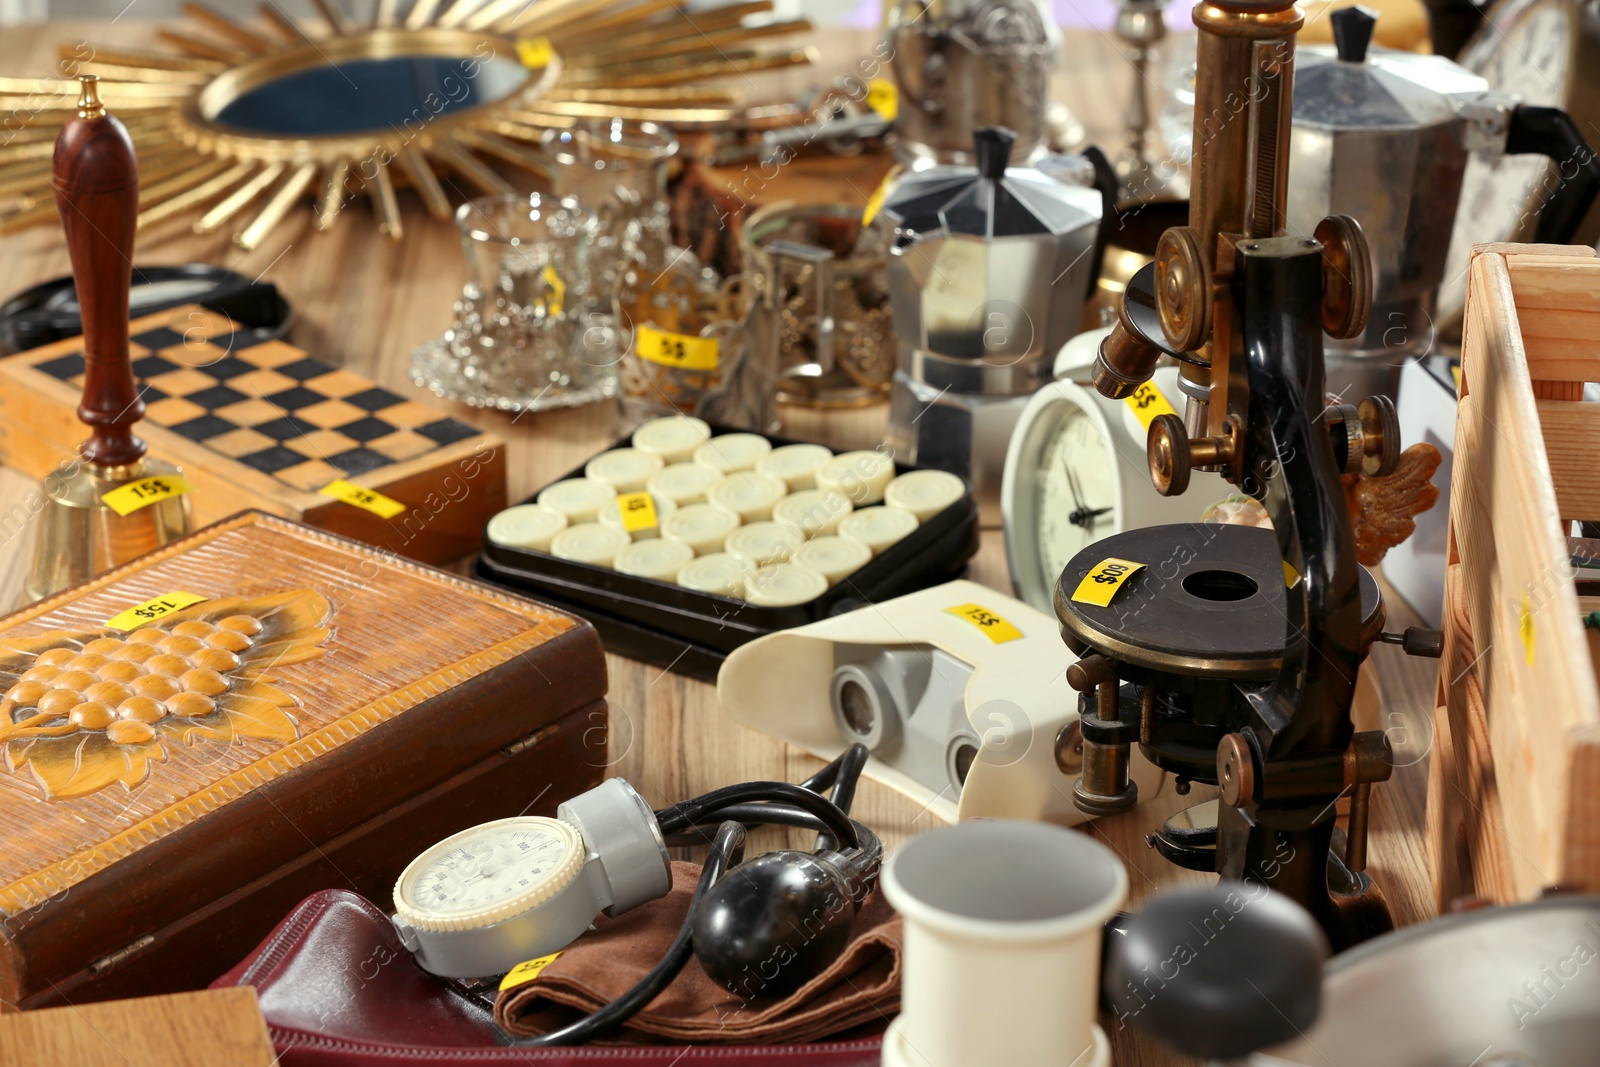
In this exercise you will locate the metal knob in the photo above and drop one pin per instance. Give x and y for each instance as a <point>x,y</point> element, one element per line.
<point>1352,32</point>
<point>1380,435</point>
<point>1167,449</point>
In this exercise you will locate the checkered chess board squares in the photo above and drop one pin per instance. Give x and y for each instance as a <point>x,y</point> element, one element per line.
<point>272,407</point>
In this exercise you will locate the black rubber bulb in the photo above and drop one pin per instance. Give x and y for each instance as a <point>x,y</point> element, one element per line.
<point>771,925</point>
<point>1218,972</point>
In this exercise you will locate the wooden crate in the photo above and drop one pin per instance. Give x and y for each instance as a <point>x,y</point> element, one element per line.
<point>1514,784</point>
<point>263,425</point>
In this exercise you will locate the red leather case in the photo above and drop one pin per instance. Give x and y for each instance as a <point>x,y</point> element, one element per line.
<point>339,990</point>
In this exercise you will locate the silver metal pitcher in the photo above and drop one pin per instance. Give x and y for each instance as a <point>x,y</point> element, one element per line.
<point>964,64</point>
<point>1385,138</point>
<point>989,269</point>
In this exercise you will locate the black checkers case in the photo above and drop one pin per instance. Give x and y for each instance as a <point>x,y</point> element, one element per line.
<point>258,423</point>
<point>691,632</point>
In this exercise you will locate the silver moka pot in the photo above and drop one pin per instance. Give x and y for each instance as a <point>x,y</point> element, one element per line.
<point>989,269</point>
<point>964,64</point>
<point>1385,137</point>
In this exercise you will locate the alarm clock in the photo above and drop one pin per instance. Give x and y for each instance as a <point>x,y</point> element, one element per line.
<point>1547,53</point>
<point>1076,471</point>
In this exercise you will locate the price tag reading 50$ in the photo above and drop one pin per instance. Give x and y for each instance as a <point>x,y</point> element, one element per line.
<point>126,499</point>
<point>676,349</point>
<point>1104,580</point>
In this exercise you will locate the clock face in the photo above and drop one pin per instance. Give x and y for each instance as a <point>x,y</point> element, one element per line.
<point>1076,500</point>
<point>1525,50</point>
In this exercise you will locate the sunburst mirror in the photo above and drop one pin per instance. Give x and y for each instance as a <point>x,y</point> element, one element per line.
<point>240,123</point>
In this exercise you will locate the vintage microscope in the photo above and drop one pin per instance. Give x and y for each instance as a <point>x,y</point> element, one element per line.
<point>1229,653</point>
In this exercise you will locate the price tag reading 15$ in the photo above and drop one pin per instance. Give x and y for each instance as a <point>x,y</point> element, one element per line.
<point>1147,402</point>
<point>151,610</point>
<point>988,623</point>
<point>1104,580</point>
<point>676,349</point>
<point>126,499</point>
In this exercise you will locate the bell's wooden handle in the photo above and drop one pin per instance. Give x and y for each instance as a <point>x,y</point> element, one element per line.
<point>97,195</point>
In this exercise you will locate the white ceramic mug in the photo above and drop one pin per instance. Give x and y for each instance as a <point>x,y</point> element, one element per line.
<point>1002,946</point>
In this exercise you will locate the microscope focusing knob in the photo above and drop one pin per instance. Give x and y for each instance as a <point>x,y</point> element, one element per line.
<point>1346,273</point>
<point>1167,448</point>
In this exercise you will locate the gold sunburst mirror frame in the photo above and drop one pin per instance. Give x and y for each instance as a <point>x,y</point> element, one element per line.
<point>243,123</point>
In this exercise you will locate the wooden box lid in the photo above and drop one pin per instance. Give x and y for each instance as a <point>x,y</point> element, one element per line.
<point>361,680</point>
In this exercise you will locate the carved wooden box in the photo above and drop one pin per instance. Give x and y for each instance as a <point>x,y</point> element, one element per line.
<point>262,424</point>
<point>170,791</point>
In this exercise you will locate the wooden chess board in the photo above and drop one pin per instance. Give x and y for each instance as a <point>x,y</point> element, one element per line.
<point>263,424</point>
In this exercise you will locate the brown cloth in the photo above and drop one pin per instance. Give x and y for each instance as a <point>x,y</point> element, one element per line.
<point>862,986</point>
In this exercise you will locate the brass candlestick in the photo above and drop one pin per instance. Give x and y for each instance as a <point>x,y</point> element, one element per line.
<point>81,534</point>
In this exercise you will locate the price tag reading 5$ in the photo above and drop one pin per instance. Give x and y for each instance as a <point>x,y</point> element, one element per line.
<point>676,349</point>
<point>988,623</point>
<point>638,512</point>
<point>126,499</point>
<point>883,97</point>
<point>367,499</point>
<point>1147,402</point>
<point>1103,581</point>
<point>526,971</point>
<point>151,610</point>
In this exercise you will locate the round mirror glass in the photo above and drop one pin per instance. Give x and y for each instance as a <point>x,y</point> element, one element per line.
<point>368,95</point>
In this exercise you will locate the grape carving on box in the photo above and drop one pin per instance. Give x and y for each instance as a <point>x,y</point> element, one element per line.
<point>81,711</point>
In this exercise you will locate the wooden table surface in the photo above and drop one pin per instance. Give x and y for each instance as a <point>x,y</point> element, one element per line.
<point>365,302</point>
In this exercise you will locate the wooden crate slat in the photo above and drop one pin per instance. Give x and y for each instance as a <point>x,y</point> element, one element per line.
<point>1519,727</point>
<point>1574,470</point>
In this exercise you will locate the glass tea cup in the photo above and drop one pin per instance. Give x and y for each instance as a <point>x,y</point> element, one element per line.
<point>528,333</point>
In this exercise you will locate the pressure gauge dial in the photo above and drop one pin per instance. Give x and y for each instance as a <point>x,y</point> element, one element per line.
<point>1076,471</point>
<point>484,900</point>
<point>488,873</point>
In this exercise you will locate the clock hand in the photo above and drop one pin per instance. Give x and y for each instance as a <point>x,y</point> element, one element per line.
<point>1082,516</point>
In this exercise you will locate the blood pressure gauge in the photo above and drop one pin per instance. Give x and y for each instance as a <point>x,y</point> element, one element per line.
<point>485,899</point>
<point>1076,471</point>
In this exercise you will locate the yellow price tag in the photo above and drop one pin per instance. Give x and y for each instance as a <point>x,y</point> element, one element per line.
<point>1290,575</point>
<point>558,290</point>
<point>1525,627</point>
<point>535,52</point>
<point>367,499</point>
<point>526,971</point>
<point>676,349</point>
<point>883,96</point>
<point>151,610</point>
<point>638,511</point>
<point>879,195</point>
<point>988,623</point>
<point>1103,581</point>
<point>126,499</point>
<point>1147,402</point>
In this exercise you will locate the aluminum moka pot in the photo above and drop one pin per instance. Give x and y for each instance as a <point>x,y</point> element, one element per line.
<point>1385,137</point>
<point>989,269</point>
